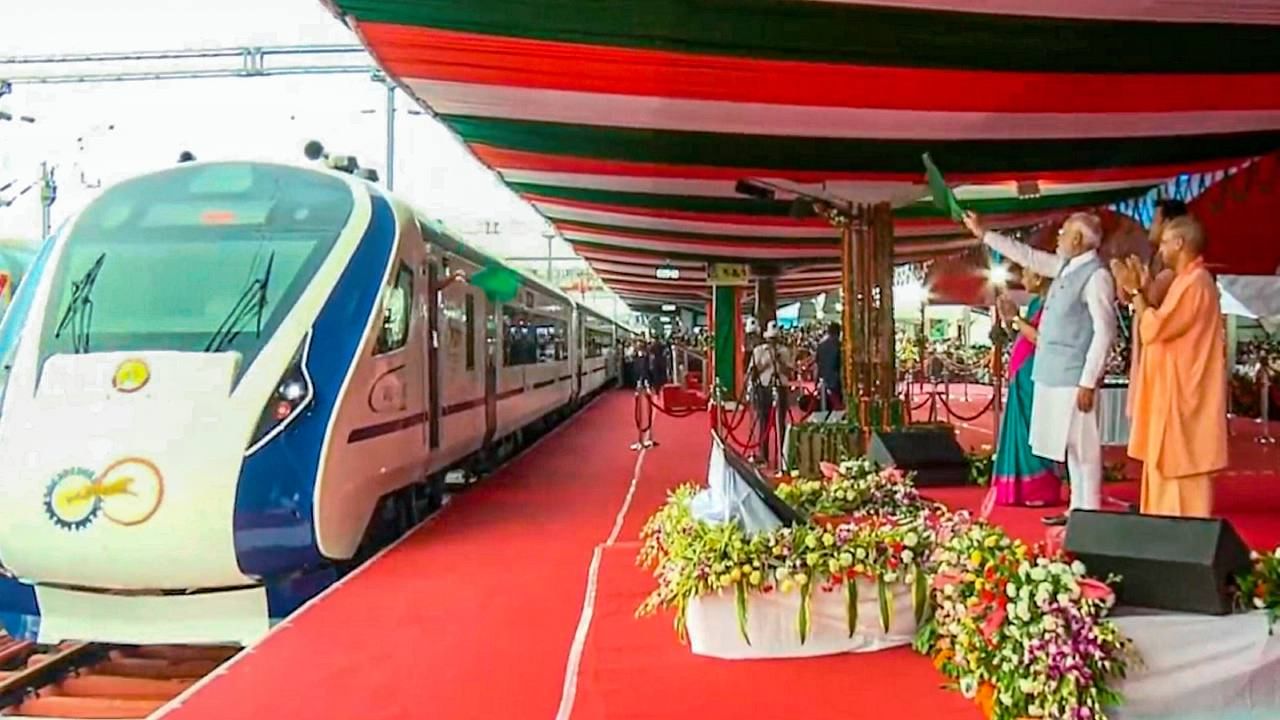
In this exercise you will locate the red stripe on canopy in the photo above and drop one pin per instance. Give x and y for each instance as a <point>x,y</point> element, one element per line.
<point>425,53</point>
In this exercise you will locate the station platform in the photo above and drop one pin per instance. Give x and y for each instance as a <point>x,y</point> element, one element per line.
<point>518,600</point>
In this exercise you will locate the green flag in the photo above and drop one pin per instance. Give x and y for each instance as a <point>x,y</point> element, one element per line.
<point>500,284</point>
<point>943,198</point>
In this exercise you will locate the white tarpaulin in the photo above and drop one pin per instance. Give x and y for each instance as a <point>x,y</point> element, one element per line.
<point>1200,667</point>
<point>728,497</point>
<point>1251,296</point>
<point>773,627</point>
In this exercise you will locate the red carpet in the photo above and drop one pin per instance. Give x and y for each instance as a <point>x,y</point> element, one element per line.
<point>474,616</point>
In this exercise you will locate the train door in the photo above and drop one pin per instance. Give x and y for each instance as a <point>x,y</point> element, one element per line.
<point>433,355</point>
<point>490,370</point>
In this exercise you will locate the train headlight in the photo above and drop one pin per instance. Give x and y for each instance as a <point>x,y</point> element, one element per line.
<point>292,395</point>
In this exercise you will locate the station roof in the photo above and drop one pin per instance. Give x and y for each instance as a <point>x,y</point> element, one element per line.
<point>628,123</point>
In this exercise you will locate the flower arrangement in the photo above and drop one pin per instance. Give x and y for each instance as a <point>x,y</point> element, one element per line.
<point>885,536</point>
<point>1022,632</point>
<point>981,465</point>
<point>1259,588</point>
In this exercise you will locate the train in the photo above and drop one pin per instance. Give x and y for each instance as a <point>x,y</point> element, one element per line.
<point>224,384</point>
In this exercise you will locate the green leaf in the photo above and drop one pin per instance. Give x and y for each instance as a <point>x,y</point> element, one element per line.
<point>886,610</point>
<point>740,599</point>
<point>920,596</point>
<point>803,620</point>
<point>851,604</point>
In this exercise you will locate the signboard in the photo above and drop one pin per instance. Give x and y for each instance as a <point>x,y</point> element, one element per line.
<point>666,272</point>
<point>728,274</point>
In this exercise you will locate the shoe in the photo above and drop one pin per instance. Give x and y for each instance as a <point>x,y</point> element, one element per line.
<point>1054,520</point>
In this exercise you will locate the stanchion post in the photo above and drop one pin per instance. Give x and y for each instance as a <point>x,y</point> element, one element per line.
<point>1264,405</point>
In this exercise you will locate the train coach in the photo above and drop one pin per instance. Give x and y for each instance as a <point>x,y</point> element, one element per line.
<point>225,383</point>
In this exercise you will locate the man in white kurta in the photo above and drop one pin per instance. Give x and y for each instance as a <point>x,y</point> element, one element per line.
<point>1077,327</point>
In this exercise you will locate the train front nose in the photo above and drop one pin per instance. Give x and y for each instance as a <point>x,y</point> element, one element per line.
<point>120,473</point>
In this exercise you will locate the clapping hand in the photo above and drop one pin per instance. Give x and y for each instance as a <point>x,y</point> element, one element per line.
<point>1131,274</point>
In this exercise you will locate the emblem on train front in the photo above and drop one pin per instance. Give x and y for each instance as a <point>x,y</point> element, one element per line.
<point>131,376</point>
<point>70,502</point>
<point>127,493</point>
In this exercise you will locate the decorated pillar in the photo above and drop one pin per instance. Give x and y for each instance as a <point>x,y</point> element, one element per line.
<point>766,278</point>
<point>725,324</point>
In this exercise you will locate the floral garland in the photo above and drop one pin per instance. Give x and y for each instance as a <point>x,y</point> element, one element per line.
<point>1023,633</point>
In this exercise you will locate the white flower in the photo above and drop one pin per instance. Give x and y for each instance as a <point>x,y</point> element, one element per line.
<point>1035,711</point>
<point>911,539</point>
<point>891,577</point>
<point>1038,574</point>
<point>1077,567</point>
<point>907,556</point>
<point>781,574</point>
<point>1259,603</point>
<point>1011,590</point>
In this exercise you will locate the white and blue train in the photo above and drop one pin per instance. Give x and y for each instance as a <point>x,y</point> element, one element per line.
<point>224,382</point>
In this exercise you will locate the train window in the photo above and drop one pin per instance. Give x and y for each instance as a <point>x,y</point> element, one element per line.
<point>470,308</point>
<point>197,258</point>
<point>534,336</point>
<point>397,304</point>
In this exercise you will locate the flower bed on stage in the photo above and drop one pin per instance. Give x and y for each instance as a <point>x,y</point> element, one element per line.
<point>1022,632</point>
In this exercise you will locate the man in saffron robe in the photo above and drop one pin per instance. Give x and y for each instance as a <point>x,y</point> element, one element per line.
<point>1180,408</point>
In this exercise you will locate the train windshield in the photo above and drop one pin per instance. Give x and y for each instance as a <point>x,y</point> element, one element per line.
<point>200,258</point>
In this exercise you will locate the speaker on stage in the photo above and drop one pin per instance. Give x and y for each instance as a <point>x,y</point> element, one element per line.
<point>1169,563</point>
<point>929,451</point>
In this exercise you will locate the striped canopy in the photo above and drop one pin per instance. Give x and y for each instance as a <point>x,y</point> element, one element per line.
<point>628,123</point>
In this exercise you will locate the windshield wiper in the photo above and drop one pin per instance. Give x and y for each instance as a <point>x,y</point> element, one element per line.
<point>79,312</point>
<point>252,303</point>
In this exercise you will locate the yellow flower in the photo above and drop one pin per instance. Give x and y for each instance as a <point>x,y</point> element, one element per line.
<point>975,558</point>
<point>991,541</point>
<point>978,584</point>
<point>755,577</point>
<point>787,586</point>
<point>736,575</point>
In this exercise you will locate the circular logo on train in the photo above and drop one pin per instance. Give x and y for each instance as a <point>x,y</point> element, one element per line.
<point>127,493</point>
<point>70,500</point>
<point>131,376</point>
<point>131,491</point>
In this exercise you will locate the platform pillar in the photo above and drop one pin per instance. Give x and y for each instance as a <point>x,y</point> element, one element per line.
<point>725,324</point>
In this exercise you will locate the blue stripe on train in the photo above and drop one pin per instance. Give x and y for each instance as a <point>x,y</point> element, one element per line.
<point>274,514</point>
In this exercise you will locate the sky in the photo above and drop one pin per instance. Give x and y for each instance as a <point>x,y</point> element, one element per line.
<point>105,132</point>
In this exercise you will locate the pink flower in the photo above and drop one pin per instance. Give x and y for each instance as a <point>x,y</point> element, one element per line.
<point>993,622</point>
<point>892,474</point>
<point>945,579</point>
<point>1095,590</point>
<point>829,471</point>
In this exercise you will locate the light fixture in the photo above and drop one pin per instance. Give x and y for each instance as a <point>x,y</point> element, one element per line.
<point>999,275</point>
<point>667,272</point>
<point>669,307</point>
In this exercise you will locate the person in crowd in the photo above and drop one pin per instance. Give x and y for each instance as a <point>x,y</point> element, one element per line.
<point>829,367</point>
<point>1179,429</point>
<point>1077,327</point>
<point>641,373</point>
<point>658,370</point>
<point>771,366</point>
<point>1019,476</point>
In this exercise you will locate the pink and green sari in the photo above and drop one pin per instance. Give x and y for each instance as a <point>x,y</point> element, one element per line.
<point>1020,477</point>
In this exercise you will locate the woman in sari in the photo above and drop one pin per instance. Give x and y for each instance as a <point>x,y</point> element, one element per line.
<point>1020,477</point>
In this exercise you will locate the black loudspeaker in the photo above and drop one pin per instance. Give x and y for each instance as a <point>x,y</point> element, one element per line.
<point>1169,563</point>
<point>929,451</point>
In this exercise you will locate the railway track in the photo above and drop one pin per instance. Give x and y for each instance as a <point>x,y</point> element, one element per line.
<point>93,680</point>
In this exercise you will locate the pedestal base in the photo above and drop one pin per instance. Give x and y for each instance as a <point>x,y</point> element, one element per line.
<point>773,629</point>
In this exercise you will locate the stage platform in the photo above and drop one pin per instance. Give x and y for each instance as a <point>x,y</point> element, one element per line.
<point>517,601</point>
